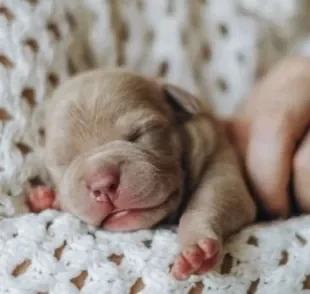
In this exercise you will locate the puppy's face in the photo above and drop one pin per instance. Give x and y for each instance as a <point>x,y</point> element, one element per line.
<point>113,150</point>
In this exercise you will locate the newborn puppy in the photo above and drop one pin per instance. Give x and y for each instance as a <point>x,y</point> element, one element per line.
<point>127,152</point>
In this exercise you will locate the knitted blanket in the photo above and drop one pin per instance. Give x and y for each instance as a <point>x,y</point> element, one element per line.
<point>214,48</point>
<point>56,253</point>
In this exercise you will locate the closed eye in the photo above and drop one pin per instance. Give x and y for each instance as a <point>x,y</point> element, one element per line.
<point>135,135</point>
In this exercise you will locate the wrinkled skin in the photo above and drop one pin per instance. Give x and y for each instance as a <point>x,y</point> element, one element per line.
<point>118,145</point>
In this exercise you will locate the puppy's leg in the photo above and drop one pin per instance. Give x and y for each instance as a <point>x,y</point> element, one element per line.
<point>220,206</point>
<point>41,198</point>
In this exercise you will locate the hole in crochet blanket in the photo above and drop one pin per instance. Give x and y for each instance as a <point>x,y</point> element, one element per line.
<point>137,287</point>
<point>184,37</point>
<point>197,76</point>
<point>147,243</point>
<point>7,13</point>
<point>53,28</point>
<point>197,289</point>
<point>71,20</point>
<point>149,36</point>
<point>170,7</point>
<point>117,259</point>
<point>163,68</point>
<point>120,60</point>
<point>170,267</point>
<point>48,224</point>
<point>140,5</point>
<point>260,71</point>
<point>206,52</point>
<point>278,43</point>
<point>301,239</point>
<point>30,96</point>
<point>93,234</point>
<point>253,287</point>
<point>89,57</point>
<point>4,115</point>
<point>223,29</point>
<point>306,283</point>
<point>79,281</point>
<point>222,84</point>
<point>124,32</point>
<point>71,67</point>
<point>42,132</point>
<point>33,2</point>
<point>21,268</point>
<point>59,250</point>
<point>53,79</point>
<point>23,148</point>
<point>6,62</point>
<point>227,264</point>
<point>253,241</point>
<point>32,44</point>
<point>241,57</point>
<point>284,258</point>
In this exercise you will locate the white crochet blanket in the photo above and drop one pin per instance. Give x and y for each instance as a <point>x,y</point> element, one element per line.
<point>263,259</point>
<point>215,48</point>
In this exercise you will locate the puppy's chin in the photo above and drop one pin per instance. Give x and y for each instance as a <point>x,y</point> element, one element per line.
<point>137,219</point>
<point>105,215</point>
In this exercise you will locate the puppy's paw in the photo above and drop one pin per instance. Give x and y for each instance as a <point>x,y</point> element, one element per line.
<point>41,198</point>
<point>198,259</point>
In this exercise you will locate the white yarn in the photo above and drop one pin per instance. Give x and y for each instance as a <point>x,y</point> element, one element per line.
<point>28,67</point>
<point>146,255</point>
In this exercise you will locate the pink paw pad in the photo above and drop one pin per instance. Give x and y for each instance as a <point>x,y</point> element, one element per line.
<point>41,198</point>
<point>197,259</point>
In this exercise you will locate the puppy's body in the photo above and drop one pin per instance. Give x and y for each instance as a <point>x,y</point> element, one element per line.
<point>127,152</point>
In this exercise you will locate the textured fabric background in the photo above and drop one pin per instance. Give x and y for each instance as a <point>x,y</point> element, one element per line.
<point>215,48</point>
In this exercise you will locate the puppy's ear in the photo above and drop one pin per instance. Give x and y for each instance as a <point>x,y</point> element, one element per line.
<point>199,128</point>
<point>182,100</point>
<point>184,104</point>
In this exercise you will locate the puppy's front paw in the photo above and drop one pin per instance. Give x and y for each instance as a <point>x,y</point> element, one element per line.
<point>41,198</point>
<point>197,259</point>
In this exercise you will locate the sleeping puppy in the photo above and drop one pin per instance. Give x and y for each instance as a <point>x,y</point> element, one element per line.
<point>127,152</point>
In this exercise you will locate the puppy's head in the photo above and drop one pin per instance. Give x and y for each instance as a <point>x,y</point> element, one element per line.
<point>113,148</point>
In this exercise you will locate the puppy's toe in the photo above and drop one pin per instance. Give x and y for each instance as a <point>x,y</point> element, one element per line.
<point>197,259</point>
<point>207,265</point>
<point>41,198</point>
<point>195,256</point>
<point>210,247</point>
<point>181,269</point>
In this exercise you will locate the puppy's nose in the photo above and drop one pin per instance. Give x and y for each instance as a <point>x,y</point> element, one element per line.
<point>103,186</point>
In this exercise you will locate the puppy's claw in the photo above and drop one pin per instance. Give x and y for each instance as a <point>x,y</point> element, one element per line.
<point>197,259</point>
